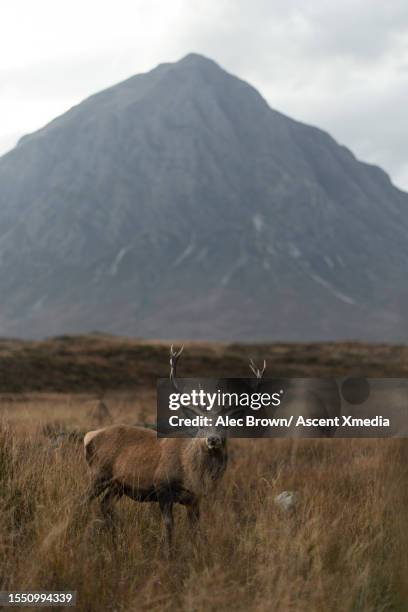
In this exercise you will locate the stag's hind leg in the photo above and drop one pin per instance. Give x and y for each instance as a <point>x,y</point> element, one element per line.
<point>108,500</point>
<point>107,503</point>
<point>96,488</point>
<point>80,510</point>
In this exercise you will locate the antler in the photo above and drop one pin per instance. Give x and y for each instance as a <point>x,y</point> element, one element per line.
<point>257,371</point>
<point>174,356</point>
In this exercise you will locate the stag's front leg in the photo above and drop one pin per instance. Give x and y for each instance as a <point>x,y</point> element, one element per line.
<point>166,509</point>
<point>193,515</point>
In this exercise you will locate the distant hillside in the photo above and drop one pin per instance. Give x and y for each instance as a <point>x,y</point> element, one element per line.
<point>98,363</point>
<point>178,204</point>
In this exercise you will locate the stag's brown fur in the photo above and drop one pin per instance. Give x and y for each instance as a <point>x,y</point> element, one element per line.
<point>129,460</point>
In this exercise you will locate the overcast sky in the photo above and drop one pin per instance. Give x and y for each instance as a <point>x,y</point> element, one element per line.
<point>342,66</point>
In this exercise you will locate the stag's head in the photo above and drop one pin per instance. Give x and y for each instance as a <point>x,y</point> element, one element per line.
<point>213,435</point>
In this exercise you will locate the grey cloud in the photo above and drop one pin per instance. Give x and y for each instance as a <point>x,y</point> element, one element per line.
<point>359,30</point>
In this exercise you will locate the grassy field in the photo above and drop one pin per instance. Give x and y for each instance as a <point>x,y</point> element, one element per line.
<point>344,548</point>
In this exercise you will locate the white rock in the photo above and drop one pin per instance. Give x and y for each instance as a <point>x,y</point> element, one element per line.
<point>287,500</point>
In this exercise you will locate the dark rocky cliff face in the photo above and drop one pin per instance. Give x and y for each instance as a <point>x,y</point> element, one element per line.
<point>179,204</point>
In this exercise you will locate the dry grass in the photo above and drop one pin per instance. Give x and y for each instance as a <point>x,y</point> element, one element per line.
<point>343,549</point>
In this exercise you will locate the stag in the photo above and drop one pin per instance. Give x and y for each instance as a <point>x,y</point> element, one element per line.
<point>132,461</point>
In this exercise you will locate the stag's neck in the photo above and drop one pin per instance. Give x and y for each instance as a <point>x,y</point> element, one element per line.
<point>203,467</point>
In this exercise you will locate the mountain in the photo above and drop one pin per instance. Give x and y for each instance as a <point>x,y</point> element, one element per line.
<point>178,204</point>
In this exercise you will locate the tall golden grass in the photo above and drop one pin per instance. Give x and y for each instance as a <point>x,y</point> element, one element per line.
<point>343,549</point>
